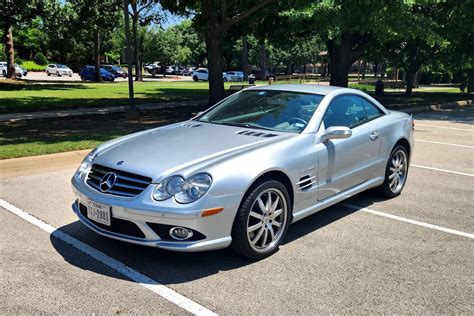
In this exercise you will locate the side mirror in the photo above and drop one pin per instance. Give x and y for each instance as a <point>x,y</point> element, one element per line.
<point>336,132</point>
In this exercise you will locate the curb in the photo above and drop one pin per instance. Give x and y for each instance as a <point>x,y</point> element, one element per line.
<point>437,107</point>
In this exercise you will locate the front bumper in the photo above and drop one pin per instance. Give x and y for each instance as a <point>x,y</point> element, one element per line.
<point>142,211</point>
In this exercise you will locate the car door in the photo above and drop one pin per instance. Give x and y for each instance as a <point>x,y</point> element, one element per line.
<point>345,163</point>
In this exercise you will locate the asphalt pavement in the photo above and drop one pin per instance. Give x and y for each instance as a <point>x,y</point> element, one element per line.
<point>411,254</point>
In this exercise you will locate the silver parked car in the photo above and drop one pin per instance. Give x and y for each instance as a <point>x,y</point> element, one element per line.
<point>58,70</point>
<point>241,172</point>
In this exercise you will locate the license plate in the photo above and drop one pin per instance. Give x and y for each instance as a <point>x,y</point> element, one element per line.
<point>98,212</point>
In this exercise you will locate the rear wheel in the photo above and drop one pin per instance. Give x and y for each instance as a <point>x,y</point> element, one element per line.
<point>262,221</point>
<point>396,173</point>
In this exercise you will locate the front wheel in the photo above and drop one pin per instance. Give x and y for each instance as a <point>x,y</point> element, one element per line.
<point>396,173</point>
<point>262,221</point>
<point>195,78</point>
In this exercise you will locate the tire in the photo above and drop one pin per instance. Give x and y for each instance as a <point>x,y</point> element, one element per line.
<point>397,168</point>
<point>225,79</point>
<point>49,74</point>
<point>195,78</point>
<point>58,74</point>
<point>254,244</point>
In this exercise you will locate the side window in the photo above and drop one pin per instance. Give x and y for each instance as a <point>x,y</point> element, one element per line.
<point>371,110</point>
<point>345,110</point>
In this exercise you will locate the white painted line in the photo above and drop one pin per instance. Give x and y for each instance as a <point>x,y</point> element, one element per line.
<point>453,128</point>
<point>411,221</point>
<point>441,143</point>
<point>443,170</point>
<point>112,263</point>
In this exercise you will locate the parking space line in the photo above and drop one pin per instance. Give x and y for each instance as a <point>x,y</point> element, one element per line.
<point>410,221</point>
<point>443,170</point>
<point>441,143</point>
<point>453,128</point>
<point>130,273</point>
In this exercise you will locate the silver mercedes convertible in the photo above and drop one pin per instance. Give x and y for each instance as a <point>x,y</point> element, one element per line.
<point>241,172</point>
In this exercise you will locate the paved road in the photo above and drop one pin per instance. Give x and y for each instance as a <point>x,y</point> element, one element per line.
<point>341,260</point>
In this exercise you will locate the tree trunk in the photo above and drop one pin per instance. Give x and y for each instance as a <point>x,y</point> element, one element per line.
<point>340,61</point>
<point>214,57</point>
<point>136,48</point>
<point>410,80</point>
<point>263,58</point>
<point>470,82</point>
<point>98,77</point>
<point>245,57</point>
<point>9,51</point>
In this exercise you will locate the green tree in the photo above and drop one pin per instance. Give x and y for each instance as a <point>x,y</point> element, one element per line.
<point>166,46</point>
<point>214,19</point>
<point>142,13</point>
<point>347,27</point>
<point>13,12</point>
<point>99,17</point>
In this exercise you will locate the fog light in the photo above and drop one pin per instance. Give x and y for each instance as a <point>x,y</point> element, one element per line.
<point>180,233</point>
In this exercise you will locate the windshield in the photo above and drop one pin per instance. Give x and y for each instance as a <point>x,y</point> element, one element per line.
<point>266,109</point>
<point>62,66</point>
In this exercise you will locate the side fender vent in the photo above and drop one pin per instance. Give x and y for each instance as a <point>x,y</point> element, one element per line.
<point>306,182</point>
<point>256,134</point>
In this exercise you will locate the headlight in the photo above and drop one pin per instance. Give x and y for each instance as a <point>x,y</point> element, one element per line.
<point>183,190</point>
<point>87,162</point>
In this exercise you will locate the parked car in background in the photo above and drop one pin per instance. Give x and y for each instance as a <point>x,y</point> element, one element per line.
<point>201,74</point>
<point>115,70</point>
<point>87,73</point>
<point>20,71</point>
<point>262,75</point>
<point>188,71</point>
<point>152,68</point>
<point>234,76</point>
<point>58,70</point>
<point>3,68</point>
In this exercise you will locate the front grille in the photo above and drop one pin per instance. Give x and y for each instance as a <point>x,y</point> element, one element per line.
<point>127,184</point>
<point>117,225</point>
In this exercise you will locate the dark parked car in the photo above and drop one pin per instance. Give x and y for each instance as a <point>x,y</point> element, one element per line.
<point>115,70</point>
<point>87,73</point>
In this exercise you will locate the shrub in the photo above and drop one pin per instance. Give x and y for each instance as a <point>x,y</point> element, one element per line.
<point>18,60</point>
<point>32,66</point>
<point>40,59</point>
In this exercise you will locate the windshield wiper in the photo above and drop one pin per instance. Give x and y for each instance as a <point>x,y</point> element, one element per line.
<point>247,125</point>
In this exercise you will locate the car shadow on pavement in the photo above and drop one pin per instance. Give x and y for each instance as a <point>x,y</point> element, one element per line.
<point>173,267</point>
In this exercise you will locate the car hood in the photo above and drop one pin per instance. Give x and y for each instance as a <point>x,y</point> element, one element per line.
<point>181,148</point>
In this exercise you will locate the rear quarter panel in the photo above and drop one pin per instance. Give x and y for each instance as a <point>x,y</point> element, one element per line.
<point>393,127</point>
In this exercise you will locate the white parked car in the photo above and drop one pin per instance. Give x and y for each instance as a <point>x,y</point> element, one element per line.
<point>3,68</point>
<point>58,70</point>
<point>234,76</point>
<point>201,74</point>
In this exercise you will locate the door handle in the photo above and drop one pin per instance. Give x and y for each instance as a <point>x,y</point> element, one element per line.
<point>374,135</point>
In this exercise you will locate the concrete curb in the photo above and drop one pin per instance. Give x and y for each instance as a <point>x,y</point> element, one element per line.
<point>25,166</point>
<point>94,111</point>
<point>437,107</point>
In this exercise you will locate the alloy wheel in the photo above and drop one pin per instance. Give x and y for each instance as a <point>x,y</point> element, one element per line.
<point>398,171</point>
<point>267,219</point>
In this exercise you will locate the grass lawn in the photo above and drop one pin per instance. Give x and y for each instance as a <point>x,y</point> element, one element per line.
<point>47,136</point>
<point>22,96</point>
